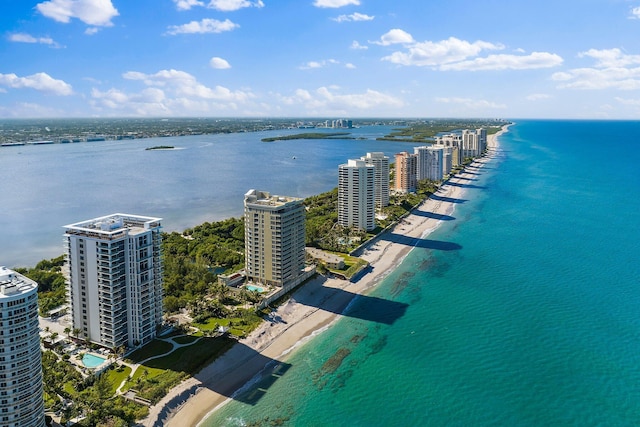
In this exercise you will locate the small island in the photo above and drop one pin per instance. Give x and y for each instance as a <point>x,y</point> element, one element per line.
<point>310,135</point>
<point>161,147</point>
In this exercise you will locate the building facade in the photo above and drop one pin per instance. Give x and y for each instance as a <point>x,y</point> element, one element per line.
<point>430,159</point>
<point>21,392</point>
<point>356,195</point>
<point>274,236</point>
<point>380,162</point>
<point>115,279</point>
<point>406,178</point>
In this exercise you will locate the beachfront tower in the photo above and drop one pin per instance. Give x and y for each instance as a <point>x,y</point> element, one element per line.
<point>430,162</point>
<point>21,393</point>
<point>115,279</point>
<point>356,195</point>
<point>380,163</point>
<point>482,140</point>
<point>406,172</point>
<point>274,238</point>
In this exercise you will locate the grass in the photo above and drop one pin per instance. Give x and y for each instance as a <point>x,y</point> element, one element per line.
<point>157,376</point>
<point>116,376</point>
<point>154,348</point>
<point>238,326</point>
<point>184,339</point>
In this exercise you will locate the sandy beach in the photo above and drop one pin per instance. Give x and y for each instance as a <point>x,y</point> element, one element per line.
<point>310,310</point>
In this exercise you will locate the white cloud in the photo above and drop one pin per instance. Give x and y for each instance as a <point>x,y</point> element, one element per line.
<point>29,109</point>
<point>610,57</point>
<point>39,81</point>
<point>28,38</point>
<point>221,5</point>
<point>231,5</point>
<point>219,63</point>
<point>634,102</point>
<point>635,13</point>
<point>538,96</point>
<point>613,69</point>
<point>435,54</point>
<point>91,31</point>
<point>474,104</point>
<point>168,92</point>
<point>318,64</point>
<point>187,4</point>
<point>335,3</point>
<point>184,84</point>
<point>202,27</point>
<point>354,17</point>
<point>91,12</point>
<point>326,100</point>
<point>507,62</point>
<point>350,66</point>
<point>357,46</point>
<point>394,36</point>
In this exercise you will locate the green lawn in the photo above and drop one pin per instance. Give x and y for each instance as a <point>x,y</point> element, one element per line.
<point>184,339</point>
<point>117,375</point>
<point>154,348</point>
<point>157,376</point>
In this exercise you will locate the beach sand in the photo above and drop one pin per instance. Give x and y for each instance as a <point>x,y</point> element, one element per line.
<point>312,308</point>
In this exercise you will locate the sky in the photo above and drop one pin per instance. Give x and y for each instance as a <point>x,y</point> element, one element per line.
<point>320,58</point>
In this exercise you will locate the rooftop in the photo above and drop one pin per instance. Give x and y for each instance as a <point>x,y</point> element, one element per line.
<point>264,198</point>
<point>114,224</point>
<point>12,283</point>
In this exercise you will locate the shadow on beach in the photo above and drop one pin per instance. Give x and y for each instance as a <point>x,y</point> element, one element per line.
<point>369,308</point>
<point>446,199</point>
<point>438,245</point>
<point>458,184</point>
<point>432,215</point>
<point>246,364</point>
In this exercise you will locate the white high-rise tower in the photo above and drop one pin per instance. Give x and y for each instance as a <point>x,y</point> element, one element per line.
<point>381,177</point>
<point>115,279</point>
<point>356,195</point>
<point>21,393</point>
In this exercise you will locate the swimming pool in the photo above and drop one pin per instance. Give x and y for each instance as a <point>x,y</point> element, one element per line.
<point>92,361</point>
<point>255,288</point>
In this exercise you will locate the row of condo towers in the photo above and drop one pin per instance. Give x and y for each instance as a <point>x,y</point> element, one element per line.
<point>115,265</point>
<point>363,184</point>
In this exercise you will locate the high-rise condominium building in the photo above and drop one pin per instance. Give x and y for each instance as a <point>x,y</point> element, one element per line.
<point>380,163</point>
<point>21,395</point>
<point>429,162</point>
<point>274,236</point>
<point>406,172</point>
<point>356,195</point>
<point>115,279</point>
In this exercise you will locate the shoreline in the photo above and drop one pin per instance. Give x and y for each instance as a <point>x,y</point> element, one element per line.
<point>311,309</point>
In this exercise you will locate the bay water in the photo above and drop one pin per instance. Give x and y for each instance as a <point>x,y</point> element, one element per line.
<point>534,321</point>
<point>204,178</point>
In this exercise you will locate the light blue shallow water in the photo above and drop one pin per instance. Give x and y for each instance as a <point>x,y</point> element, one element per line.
<point>534,321</point>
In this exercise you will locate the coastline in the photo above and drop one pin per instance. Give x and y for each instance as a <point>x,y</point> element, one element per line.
<point>311,309</point>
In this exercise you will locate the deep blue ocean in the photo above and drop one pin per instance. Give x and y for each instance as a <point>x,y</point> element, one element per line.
<point>534,321</point>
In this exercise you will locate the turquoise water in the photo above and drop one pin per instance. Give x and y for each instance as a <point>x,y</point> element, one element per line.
<point>254,288</point>
<point>92,361</point>
<point>534,321</point>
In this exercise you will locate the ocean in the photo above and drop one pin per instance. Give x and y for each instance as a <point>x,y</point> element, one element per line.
<point>534,321</point>
<point>46,187</point>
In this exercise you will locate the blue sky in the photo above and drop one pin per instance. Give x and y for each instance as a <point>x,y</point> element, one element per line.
<point>320,58</point>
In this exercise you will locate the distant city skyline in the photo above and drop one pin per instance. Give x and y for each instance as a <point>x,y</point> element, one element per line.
<point>320,58</point>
